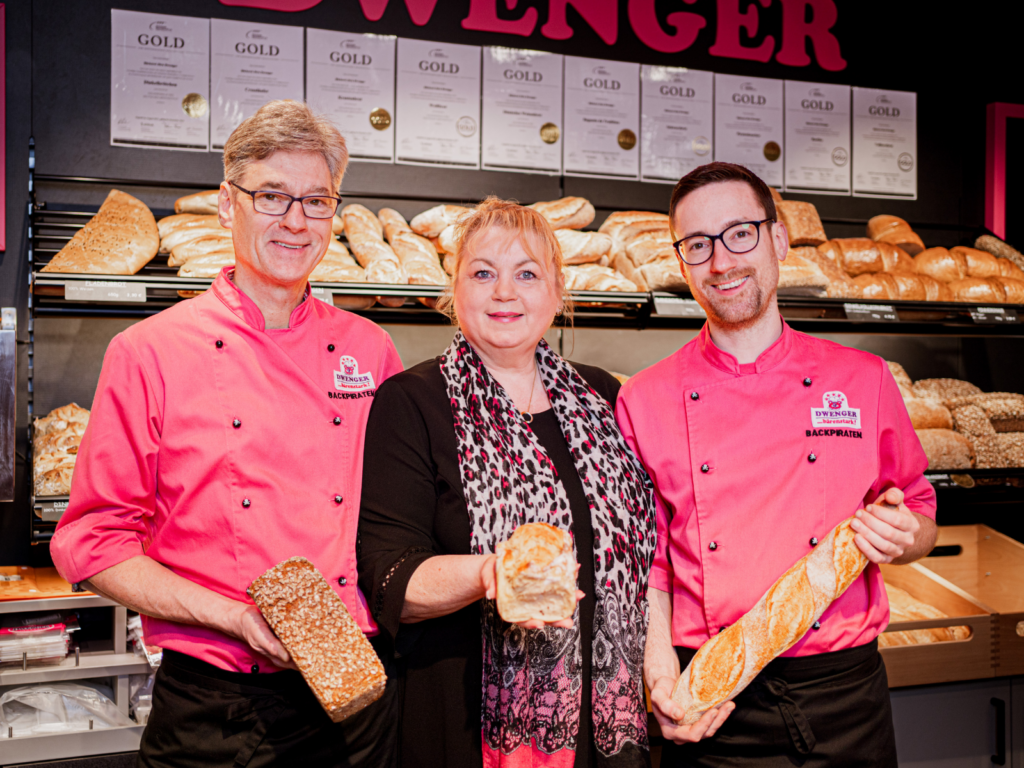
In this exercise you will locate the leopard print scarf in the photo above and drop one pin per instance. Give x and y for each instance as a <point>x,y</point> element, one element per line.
<point>532,679</point>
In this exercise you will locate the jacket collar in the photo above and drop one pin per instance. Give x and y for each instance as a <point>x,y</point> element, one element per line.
<point>767,360</point>
<point>233,298</point>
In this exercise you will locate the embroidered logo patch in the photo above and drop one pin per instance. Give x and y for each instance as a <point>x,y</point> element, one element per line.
<point>349,379</point>
<point>835,412</point>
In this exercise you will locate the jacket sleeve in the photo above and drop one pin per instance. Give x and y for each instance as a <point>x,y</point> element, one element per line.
<point>113,489</point>
<point>901,459</point>
<point>661,571</point>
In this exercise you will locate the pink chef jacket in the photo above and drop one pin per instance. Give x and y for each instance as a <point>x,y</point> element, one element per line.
<point>219,449</point>
<point>752,462</point>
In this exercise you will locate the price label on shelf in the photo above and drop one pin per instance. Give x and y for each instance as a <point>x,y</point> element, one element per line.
<point>676,307</point>
<point>871,313</point>
<point>51,510</point>
<point>104,290</point>
<point>993,315</point>
<point>324,294</point>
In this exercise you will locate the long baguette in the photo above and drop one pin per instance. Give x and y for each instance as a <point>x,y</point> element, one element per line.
<point>729,661</point>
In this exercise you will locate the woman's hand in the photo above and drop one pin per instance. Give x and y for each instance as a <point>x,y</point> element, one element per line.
<point>489,582</point>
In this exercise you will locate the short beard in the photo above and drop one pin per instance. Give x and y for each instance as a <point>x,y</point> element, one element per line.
<point>729,313</point>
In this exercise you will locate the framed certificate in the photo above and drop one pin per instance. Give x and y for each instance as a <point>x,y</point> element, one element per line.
<point>522,111</point>
<point>250,64</point>
<point>884,143</point>
<point>748,124</point>
<point>676,123</point>
<point>351,79</point>
<point>159,81</point>
<point>602,118</point>
<point>818,138</point>
<point>437,113</point>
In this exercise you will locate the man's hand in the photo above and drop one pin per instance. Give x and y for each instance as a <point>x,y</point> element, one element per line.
<point>666,712</point>
<point>248,625</point>
<point>888,532</point>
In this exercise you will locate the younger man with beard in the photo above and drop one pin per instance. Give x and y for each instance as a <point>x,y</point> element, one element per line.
<point>748,480</point>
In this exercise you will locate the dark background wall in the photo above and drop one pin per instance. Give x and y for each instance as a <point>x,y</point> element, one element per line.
<point>957,58</point>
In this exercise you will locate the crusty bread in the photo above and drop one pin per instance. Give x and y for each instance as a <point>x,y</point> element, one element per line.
<point>393,222</point>
<point>433,220</point>
<point>859,255</point>
<point>337,266</point>
<point>928,414</point>
<point>119,240</point>
<point>200,247</point>
<point>337,224</point>
<point>386,271</point>
<point>582,247</point>
<point>776,195</point>
<point>802,222</point>
<point>200,202</point>
<point>978,290</point>
<point>892,229</point>
<point>998,248</point>
<point>209,265</point>
<point>368,247</point>
<point>594,277</point>
<point>359,218</point>
<point>624,265</point>
<point>1008,269</point>
<point>944,389</point>
<point>900,375</point>
<point>650,246</point>
<point>946,449</point>
<point>941,264</point>
<point>55,441</point>
<point>183,235</point>
<point>800,276</point>
<point>730,660</point>
<point>326,644</point>
<point>662,274</point>
<point>909,286</point>
<point>970,420</point>
<point>988,452</point>
<point>904,607</point>
<point>877,285</point>
<point>169,224</point>
<point>935,290</point>
<point>1012,288</point>
<point>536,574</point>
<point>1011,444</point>
<point>840,284</point>
<point>979,263</point>
<point>566,213</point>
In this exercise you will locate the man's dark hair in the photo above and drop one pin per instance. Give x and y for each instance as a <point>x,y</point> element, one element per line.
<point>713,173</point>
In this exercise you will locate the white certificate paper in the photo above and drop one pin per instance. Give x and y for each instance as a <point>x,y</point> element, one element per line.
<point>884,143</point>
<point>438,104</point>
<point>748,124</point>
<point>250,64</point>
<point>351,79</point>
<point>522,111</point>
<point>159,81</point>
<point>602,118</point>
<point>677,122</point>
<point>818,137</point>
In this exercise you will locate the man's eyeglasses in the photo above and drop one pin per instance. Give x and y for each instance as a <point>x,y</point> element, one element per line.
<point>276,203</point>
<point>739,238</point>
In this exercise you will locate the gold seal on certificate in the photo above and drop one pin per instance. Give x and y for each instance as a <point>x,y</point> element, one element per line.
<point>549,133</point>
<point>194,105</point>
<point>380,119</point>
<point>627,139</point>
<point>772,151</point>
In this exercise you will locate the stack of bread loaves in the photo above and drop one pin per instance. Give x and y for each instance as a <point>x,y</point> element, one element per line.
<point>365,234</point>
<point>641,250</point>
<point>120,239</point>
<point>960,426</point>
<point>55,442</point>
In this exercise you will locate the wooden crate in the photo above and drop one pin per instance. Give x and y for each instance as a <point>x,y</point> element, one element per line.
<point>990,568</point>
<point>945,662</point>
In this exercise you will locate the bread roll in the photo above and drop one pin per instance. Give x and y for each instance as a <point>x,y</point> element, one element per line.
<point>909,286</point>
<point>651,246</point>
<point>971,420</point>
<point>625,267</point>
<point>840,284</point>
<point>800,276</point>
<point>536,573</point>
<point>978,290</point>
<point>979,263</point>
<point>802,222</point>
<point>946,449</point>
<point>326,644</point>
<point>566,213</point>
<point>935,290</point>
<point>664,274</point>
<point>928,414</point>
<point>892,229</point>
<point>360,218</point>
<point>119,240</point>
<point>859,255</point>
<point>880,285</point>
<point>200,247</point>
<point>433,220</point>
<point>593,277</point>
<point>1000,249</point>
<point>209,265</point>
<point>200,202</point>
<point>169,224</point>
<point>944,389</point>
<point>1012,288</point>
<point>730,660</point>
<point>582,247</point>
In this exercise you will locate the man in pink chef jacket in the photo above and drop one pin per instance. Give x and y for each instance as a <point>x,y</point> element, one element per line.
<point>226,436</point>
<point>760,440</point>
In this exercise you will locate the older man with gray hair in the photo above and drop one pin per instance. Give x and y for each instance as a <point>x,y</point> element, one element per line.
<point>226,436</point>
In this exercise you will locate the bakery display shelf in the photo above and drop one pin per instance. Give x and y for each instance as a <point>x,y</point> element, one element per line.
<point>83,668</point>
<point>70,602</point>
<point>975,479</point>
<point>60,746</point>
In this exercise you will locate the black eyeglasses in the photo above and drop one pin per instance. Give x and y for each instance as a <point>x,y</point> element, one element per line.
<point>276,203</point>
<point>739,238</point>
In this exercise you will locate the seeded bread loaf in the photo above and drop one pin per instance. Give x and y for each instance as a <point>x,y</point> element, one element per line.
<point>946,449</point>
<point>324,641</point>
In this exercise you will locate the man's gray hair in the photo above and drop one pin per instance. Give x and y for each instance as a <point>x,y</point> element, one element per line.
<point>285,125</point>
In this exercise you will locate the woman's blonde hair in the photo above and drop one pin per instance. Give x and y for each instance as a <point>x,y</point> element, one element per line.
<point>523,224</point>
<point>285,125</point>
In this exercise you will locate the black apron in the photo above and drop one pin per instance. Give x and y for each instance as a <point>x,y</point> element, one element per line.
<point>205,716</point>
<point>831,709</point>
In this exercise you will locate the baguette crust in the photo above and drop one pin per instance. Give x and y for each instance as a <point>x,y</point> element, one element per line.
<point>582,247</point>
<point>730,660</point>
<point>199,247</point>
<point>359,218</point>
<point>335,658</point>
<point>594,277</point>
<point>566,213</point>
<point>978,290</point>
<point>979,263</point>
<point>879,285</point>
<point>433,220</point>
<point>169,224</point>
